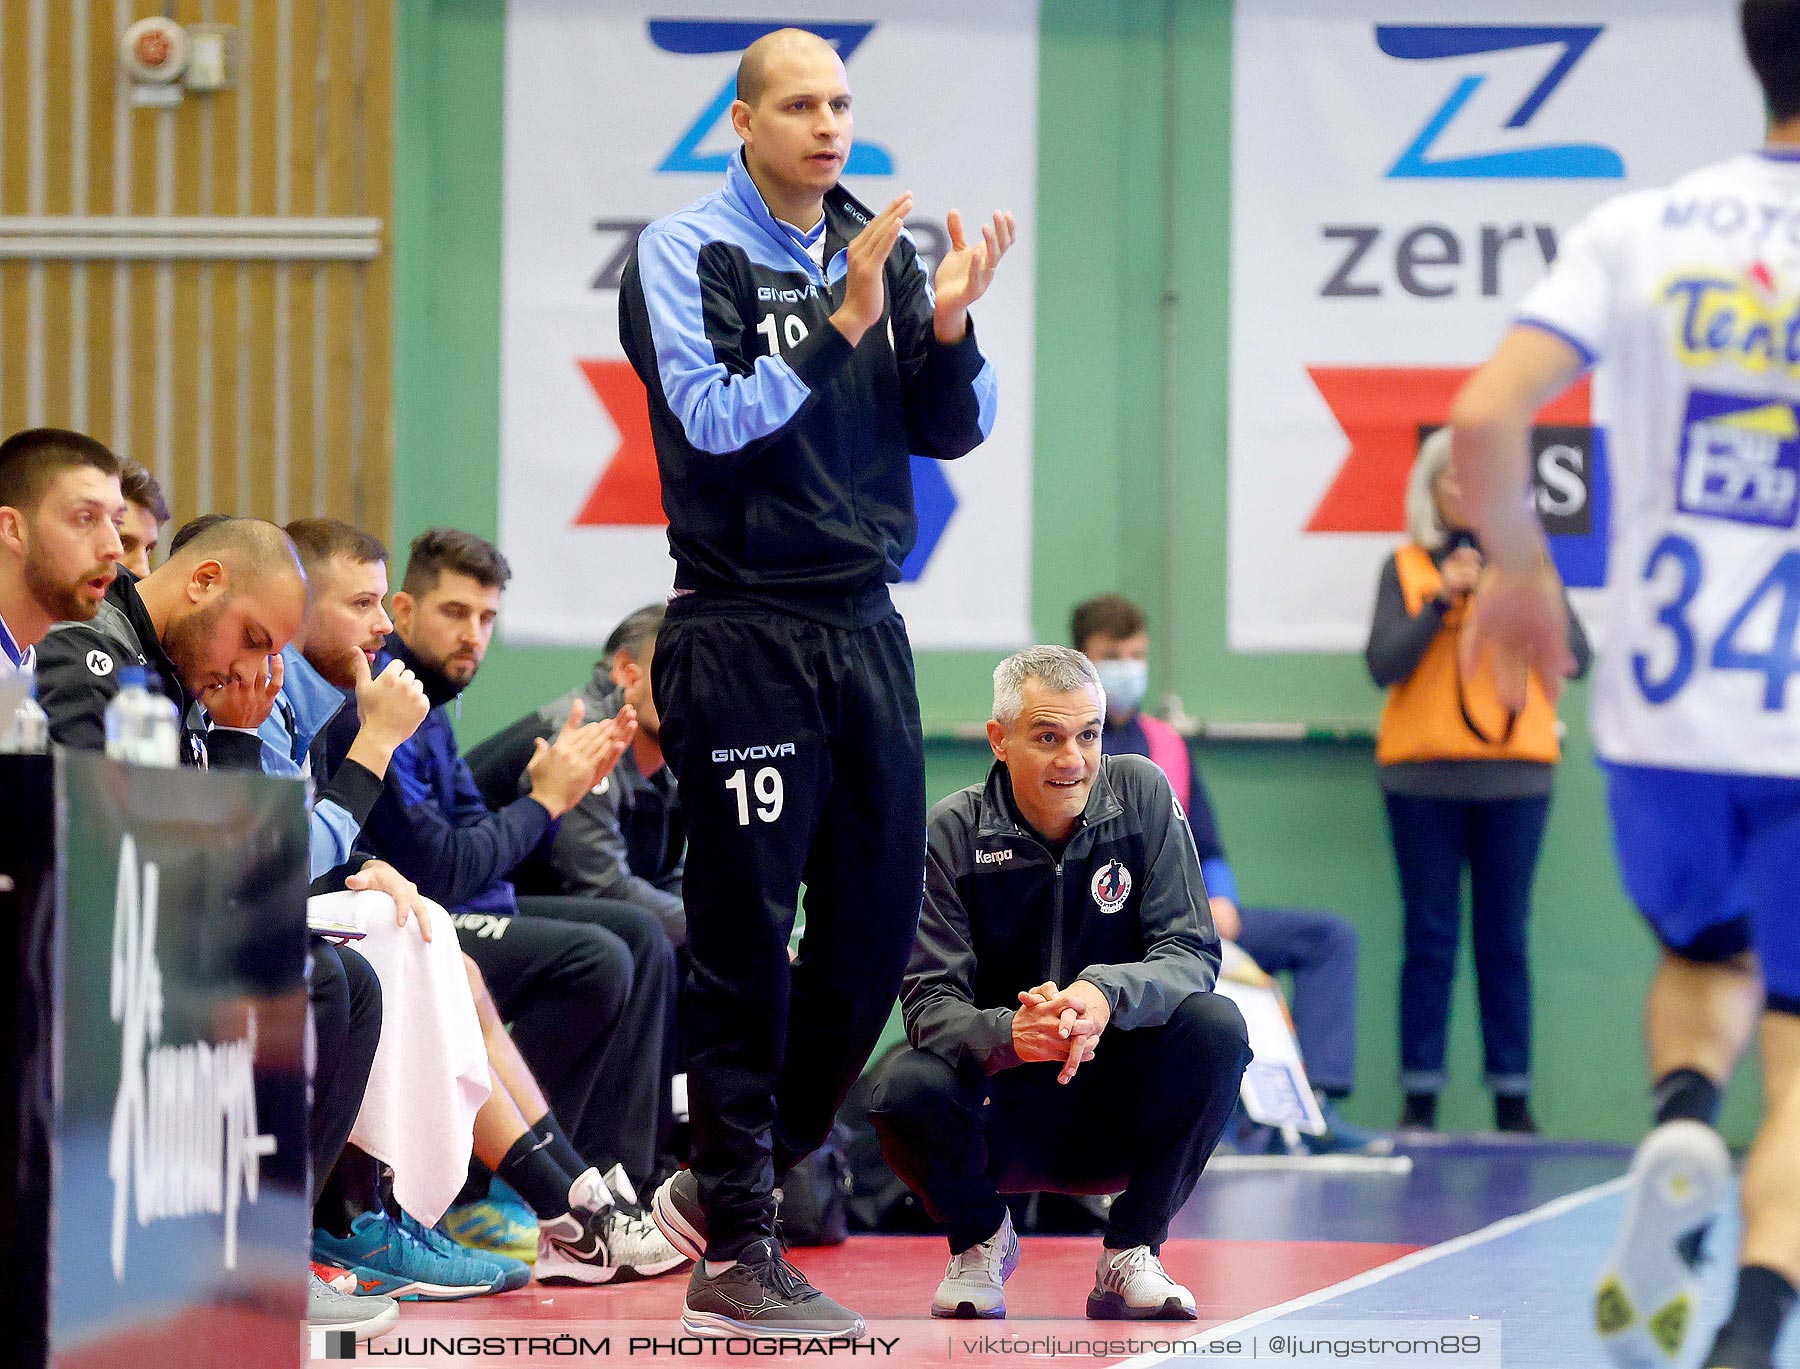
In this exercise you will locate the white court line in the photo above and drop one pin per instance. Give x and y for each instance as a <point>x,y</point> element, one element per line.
<point>1556,1207</point>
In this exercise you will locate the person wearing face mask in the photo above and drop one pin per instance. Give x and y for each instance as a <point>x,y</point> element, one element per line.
<point>1317,949</point>
<point>1466,782</point>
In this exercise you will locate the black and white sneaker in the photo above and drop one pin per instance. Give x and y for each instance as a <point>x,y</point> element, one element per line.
<point>764,1296</point>
<point>607,1243</point>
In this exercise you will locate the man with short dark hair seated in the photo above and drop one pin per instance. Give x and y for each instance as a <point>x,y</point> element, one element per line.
<point>1058,1002</point>
<point>60,510</point>
<point>146,511</point>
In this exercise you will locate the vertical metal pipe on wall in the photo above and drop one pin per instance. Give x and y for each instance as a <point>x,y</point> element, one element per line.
<point>78,207</point>
<point>1171,337</point>
<point>40,98</point>
<point>120,436</point>
<point>284,205</point>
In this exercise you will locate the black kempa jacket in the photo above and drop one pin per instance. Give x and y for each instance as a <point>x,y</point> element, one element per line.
<point>784,452</point>
<point>1124,908</point>
<point>78,676</point>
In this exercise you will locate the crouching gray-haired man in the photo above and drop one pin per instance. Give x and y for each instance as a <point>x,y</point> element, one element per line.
<point>1059,1004</point>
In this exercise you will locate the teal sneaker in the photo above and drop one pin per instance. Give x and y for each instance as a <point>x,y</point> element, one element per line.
<point>389,1261</point>
<point>515,1273</point>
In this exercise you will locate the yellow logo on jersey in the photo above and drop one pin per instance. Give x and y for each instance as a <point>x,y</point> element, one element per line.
<point>1725,319</point>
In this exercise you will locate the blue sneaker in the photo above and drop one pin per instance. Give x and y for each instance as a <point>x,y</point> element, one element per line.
<point>388,1260</point>
<point>1339,1138</point>
<point>514,1273</point>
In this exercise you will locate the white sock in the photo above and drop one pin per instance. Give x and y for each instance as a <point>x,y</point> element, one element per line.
<point>714,1268</point>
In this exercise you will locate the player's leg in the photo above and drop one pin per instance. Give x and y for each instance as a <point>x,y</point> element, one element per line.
<point>864,885</point>
<point>1678,842</point>
<point>744,735</point>
<point>1769,1263</point>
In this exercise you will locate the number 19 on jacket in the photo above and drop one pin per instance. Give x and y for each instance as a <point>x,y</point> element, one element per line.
<point>792,325</point>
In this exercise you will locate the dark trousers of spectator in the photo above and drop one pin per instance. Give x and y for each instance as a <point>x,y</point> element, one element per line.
<point>632,1086</point>
<point>1142,1116</point>
<point>800,758</point>
<point>563,988</point>
<point>346,1012</point>
<point>1319,950</point>
<point>1498,840</point>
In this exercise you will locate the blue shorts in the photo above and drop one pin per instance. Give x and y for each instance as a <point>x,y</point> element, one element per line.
<point>1713,862</point>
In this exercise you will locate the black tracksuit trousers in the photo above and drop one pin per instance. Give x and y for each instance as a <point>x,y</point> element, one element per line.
<point>799,755</point>
<point>1142,1116</point>
<point>346,1006</point>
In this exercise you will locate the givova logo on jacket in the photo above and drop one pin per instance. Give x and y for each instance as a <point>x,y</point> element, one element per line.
<point>1111,886</point>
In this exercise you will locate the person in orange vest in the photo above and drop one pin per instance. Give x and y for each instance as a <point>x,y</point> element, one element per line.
<point>1317,949</point>
<point>1467,783</point>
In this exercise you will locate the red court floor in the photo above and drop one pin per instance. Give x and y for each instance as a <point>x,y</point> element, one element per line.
<point>890,1280</point>
<point>1249,1243</point>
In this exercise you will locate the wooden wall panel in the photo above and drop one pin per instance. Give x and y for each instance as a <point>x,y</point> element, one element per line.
<point>250,383</point>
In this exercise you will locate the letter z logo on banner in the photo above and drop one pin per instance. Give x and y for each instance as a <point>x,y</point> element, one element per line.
<point>1549,161</point>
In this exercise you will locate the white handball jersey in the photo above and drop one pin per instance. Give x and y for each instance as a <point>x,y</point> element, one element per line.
<point>1688,300</point>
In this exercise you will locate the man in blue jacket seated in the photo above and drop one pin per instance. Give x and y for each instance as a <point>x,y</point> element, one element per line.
<point>585,983</point>
<point>1062,977</point>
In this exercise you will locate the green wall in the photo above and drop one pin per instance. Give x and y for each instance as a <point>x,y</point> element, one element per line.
<point>1303,821</point>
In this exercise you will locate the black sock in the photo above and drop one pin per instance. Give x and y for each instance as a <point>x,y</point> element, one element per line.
<point>1747,1339</point>
<point>476,1187</point>
<point>352,1188</point>
<point>531,1167</point>
<point>1687,1095</point>
<point>547,1129</point>
<point>1420,1110</point>
<point>1512,1112</point>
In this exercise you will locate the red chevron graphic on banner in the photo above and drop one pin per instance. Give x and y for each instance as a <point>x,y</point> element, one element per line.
<point>1381,409</point>
<point>629,491</point>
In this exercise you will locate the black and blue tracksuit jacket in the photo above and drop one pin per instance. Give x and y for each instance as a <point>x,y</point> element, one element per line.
<point>784,452</point>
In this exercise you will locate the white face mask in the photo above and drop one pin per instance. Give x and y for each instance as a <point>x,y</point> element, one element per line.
<point>1124,683</point>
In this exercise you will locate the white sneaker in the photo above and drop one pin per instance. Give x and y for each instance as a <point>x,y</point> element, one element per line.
<point>1644,1304</point>
<point>605,1246</point>
<point>974,1282</point>
<point>1132,1285</point>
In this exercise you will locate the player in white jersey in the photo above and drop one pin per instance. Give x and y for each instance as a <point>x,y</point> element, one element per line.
<point>1687,301</point>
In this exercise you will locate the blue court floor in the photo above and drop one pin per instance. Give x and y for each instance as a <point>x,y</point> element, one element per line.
<point>1532,1271</point>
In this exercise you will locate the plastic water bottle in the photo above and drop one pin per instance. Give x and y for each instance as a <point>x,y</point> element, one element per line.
<point>26,728</point>
<point>142,725</point>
